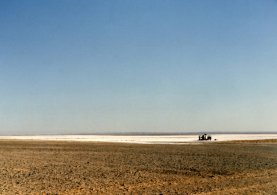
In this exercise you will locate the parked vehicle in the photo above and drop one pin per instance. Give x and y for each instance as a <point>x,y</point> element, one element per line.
<point>205,137</point>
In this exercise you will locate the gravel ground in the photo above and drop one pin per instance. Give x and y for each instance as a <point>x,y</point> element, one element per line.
<point>38,167</point>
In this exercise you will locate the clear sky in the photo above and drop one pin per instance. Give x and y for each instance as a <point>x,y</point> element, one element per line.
<point>137,66</point>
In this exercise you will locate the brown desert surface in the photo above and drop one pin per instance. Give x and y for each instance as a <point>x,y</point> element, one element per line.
<point>41,167</point>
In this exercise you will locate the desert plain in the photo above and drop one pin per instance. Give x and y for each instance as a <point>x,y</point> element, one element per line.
<point>55,167</point>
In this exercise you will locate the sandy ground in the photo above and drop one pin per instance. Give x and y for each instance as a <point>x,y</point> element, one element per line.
<point>40,167</point>
<point>142,139</point>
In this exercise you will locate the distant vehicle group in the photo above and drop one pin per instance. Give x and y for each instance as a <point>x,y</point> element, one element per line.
<point>204,137</point>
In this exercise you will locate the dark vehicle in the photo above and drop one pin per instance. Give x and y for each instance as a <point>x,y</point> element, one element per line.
<point>205,137</point>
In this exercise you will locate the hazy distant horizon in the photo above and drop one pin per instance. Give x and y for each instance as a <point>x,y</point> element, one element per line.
<point>146,133</point>
<point>134,66</point>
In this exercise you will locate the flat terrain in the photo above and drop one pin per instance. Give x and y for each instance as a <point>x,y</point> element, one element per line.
<point>30,167</point>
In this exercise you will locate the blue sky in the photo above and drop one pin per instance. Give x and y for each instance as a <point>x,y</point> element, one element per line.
<point>137,66</point>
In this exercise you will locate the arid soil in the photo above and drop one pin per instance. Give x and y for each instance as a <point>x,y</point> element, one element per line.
<point>29,167</point>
